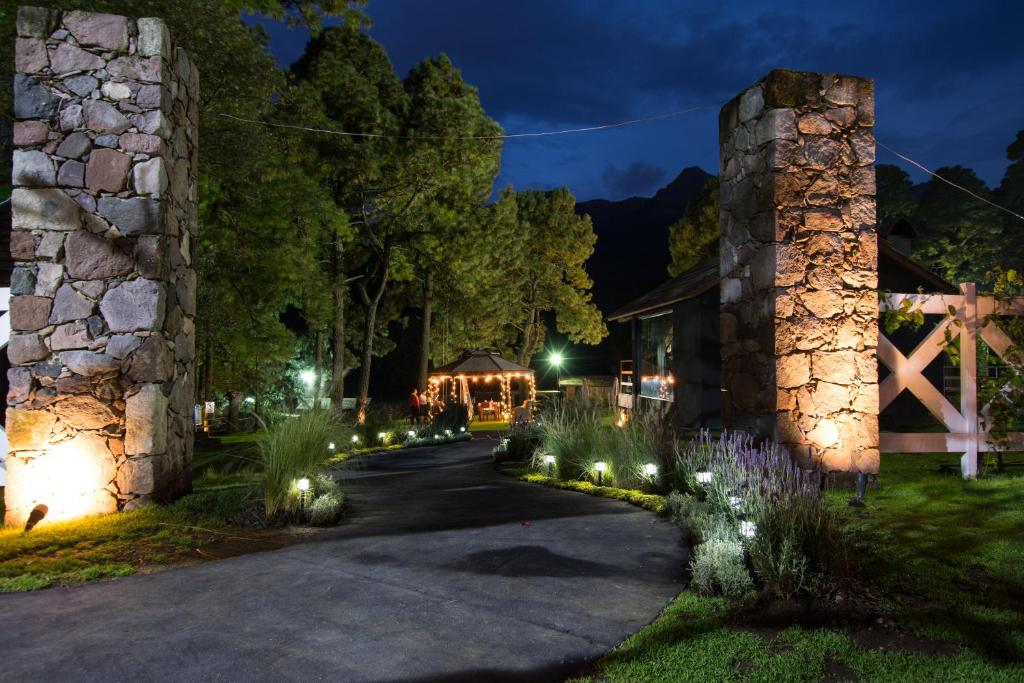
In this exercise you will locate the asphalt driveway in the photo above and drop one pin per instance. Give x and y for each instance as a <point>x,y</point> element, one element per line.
<point>446,570</point>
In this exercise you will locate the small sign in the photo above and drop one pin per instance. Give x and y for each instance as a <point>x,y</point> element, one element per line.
<point>211,407</point>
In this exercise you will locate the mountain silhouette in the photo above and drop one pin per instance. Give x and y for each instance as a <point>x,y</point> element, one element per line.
<point>631,257</point>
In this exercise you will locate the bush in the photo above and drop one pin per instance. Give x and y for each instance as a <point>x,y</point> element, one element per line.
<point>690,513</point>
<point>293,449</point>
<point>718,567</point>
<point>328,502</point>
<point>454,418</point>
<point>379,419</point>
<point>796,536</point>
<point>519,444</point>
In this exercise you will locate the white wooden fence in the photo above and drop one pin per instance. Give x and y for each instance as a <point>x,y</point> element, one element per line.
<point>966,434</point>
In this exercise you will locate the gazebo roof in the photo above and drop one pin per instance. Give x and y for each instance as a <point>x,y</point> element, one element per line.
<point>480,363</point>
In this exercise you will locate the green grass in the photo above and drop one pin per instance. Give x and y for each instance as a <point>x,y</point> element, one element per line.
<point>489,426</point>
<point>114,545</point>
<point>945,556</point>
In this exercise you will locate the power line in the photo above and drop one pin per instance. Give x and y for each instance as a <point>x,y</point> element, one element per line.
<point>587,129</point>
<point>503,136</point>
<point>948,181</point>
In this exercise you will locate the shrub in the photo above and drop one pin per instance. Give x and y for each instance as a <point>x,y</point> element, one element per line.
<point>379,419</point>
<point>293,449</point>
<point>797,539</point>
<point>328,502</point>
<point>519,444</point>
<point>718,567</point>
<point>454,418</point>
<point>690,513</point>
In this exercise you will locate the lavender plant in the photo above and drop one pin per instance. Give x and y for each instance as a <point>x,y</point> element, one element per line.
<point>790,532</point>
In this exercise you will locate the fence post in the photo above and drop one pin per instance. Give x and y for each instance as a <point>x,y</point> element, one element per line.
<point>969,379</point>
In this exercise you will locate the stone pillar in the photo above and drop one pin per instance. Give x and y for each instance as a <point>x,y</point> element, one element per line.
<point>799,310</point>
<point>103,291</point>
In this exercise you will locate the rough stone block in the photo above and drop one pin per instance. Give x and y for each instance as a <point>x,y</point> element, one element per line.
<point>28,430</point>
<point>75,146</point>
<point>83,411</point>
<point>106,31</point>
<point>69,305</point>
<point>134,305</point>
<point>32,100</point>
<point>107,171</point>
<point>104,118</point>
<point>44,209</point>
<point>89,363</point>
<point>136,215</point>
<point>149,177</point>
<point>30,133</point>
<point>30,55</point>
<point>26,348</point>
<point>146,421</point>
<point>29,313</point>
<point>68,59</point>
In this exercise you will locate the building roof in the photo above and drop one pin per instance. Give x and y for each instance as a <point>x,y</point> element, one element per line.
<point>686,285</point>
<point>480,362</point>
<point>694,282</point>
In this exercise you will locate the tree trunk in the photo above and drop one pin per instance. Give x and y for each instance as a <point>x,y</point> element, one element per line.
<point>372,303</point>
<point>338,328</point>
<point>428,305</point>
<point>318,366</point>
<point>234,411</point>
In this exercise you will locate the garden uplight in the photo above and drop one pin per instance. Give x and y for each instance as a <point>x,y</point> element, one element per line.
<point>411,434</point>
<point>651,470</point>
<point>703,477</point>
<point>462,430</point>
<point>748,529</point>
<point>600,466</point>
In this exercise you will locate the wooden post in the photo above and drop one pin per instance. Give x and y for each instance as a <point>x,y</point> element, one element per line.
<point>969,379</point>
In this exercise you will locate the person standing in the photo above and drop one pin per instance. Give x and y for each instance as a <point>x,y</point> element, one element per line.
<point>414,408</point>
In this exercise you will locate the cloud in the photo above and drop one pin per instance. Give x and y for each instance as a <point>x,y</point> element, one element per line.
<point>638,179</point>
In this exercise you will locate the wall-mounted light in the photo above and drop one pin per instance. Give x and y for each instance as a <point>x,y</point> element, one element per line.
<point>600,466</point>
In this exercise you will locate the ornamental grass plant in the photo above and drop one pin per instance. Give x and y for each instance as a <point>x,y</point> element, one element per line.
<point>294,449</point>
<point>574,433</point>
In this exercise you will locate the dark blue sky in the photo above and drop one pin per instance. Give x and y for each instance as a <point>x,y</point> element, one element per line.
<point>949,76</point>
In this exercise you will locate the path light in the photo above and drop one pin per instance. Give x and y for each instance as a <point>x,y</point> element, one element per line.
<point>462,430</point>
<point>735,502</point>
<point>250,400</point>
<point>303,486</point>
<point>703,478</point>
<point>355,438</point>
<point>748,529</point>
<point>382,436</point>
<point>330,446</point>
<point>600,466</point>
<point>651,470</point>
<point>411,434</point>
<point>437,436</point>
<point>550,461</point>
<point>448,433</point>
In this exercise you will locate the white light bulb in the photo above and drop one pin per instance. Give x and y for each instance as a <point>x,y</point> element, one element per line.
<point>410,434</point>
<point>600,466</point>
<point>382,435</point>
<point>549,459</point>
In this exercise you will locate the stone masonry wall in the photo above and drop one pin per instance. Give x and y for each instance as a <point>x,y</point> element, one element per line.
<point>799,310</point>
<point>103,291</point>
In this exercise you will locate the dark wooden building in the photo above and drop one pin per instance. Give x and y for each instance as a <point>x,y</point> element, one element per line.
<point>676,350</point>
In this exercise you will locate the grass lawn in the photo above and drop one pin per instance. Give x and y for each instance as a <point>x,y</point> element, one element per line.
<point>946,557</point>
<point>488,426</point>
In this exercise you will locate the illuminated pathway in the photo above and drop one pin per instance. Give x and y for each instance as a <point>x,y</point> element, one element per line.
<point>446,570</point>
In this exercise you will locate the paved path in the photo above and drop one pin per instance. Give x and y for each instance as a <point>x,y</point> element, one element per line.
<point>446,571</point>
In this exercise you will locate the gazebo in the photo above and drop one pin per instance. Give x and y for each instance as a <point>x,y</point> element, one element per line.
<point>482,370</point>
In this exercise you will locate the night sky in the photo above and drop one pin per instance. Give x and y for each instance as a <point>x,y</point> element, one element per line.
<point>949,77</point>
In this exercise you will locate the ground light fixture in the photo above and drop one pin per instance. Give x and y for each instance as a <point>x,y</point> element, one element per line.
<point>600,466</point>
<point>735,502</point>
<point>355,438</point>
<point>303,486</point>
<point>651,470</point>
<point>382,436</point>
<point>411,434</point>
<point>462,430</point>
<point>748,529</point>
<point>703,477</point>
<point>331,446</point>
<point>549,460</point>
